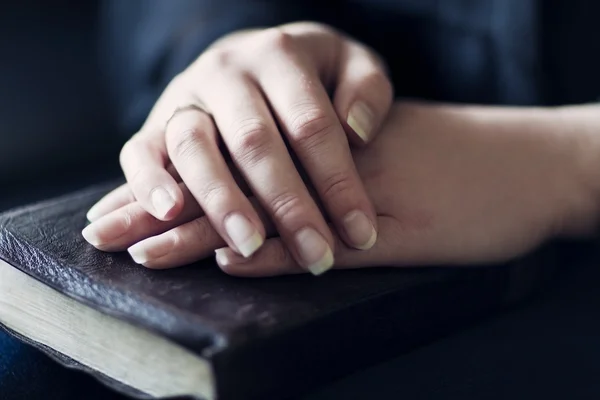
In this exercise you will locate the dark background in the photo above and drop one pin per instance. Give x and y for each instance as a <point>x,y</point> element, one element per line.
<point>57,128</point>
<point>58,132</point>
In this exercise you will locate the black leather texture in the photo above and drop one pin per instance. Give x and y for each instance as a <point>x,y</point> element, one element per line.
<point>267,338</point>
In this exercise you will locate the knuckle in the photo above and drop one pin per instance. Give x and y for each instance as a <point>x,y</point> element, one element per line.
<point>186,143</point>
<point>286,205</point>
<point>214,193</point>
<point>219,58</point>
<point>308,27</point>
<point>252,141</point>
<point>276,39</point>
<point>311,126</point>
<point>338,185</point>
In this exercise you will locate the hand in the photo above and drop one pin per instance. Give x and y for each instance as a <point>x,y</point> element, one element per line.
<point>254,84</point>
<point>450,185</point>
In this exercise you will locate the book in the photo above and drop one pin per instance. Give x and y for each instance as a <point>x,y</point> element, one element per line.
<point>195,332</point>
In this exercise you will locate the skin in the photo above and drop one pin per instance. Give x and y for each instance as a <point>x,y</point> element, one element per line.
<point>265,95</point>
<point>449,184</point>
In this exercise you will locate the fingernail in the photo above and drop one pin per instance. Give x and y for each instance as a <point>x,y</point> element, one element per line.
<point>360,230</point>
<point>90,235</point>
<point>93,213</point>
<point>139,253</point>
<point>243,234</point>
<point>105,230</point>
<point>151,248</point>
<point>162,201</point>
<point>361,120</point>
<point>226,256</point>
<point>314,251</point>
<point>222,257</point>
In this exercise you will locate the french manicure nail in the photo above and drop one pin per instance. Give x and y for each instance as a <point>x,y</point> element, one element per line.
<point>152,248</point>
<point>314,251</point>
<point>138,253</point>
<point>243,234</point>
<point>105,230</point>
<point>93,213</point>
<point>162,201</point>
<point>360,230</point>
<point>90,235</point>
<point>225,256</point>
<point>222,257</point>
<point>361,120</point>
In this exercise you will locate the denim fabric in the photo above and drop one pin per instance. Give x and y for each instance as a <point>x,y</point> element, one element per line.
<point>10,350</point>
<point>27,374</point>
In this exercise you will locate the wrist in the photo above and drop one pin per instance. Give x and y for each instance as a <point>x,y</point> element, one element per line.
<point>577,129</point>
<point>564,169</point>
<point>554,155</point>
<point>561,148</point>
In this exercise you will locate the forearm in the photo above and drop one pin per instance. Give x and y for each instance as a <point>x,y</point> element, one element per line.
<point>556,150</point>
<point>580,126</point>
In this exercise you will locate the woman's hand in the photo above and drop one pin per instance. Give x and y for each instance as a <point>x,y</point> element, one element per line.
<point>450,185</point>
<point>259,90</point>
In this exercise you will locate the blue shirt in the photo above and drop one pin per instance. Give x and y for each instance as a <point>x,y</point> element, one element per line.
<point>517,52</point>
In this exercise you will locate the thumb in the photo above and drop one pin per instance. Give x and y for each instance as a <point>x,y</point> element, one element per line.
<point>273,258</point>
<point>363,94</point>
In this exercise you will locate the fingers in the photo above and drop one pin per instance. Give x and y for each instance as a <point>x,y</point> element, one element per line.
<point>259,152</point>
<point>124,226</point>
<point>119,197</point>
<point>363,94</point>
<point>193,149</point>
<point>112,201</point>
<point>187,243</point>
<point>312,127</point>
<point>182,245</point>
<point>274,258</point>
<point>144,161</point>
<point>363,91</point>
<point>292,80</point>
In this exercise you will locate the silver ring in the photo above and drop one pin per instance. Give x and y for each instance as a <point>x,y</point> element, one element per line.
<point>189,107</point>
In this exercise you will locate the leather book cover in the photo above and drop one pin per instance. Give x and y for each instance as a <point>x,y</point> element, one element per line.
<point>266,338</point>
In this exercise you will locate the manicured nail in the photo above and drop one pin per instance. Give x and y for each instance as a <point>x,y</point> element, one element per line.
<point>152,248</point>
<point>105,230</point>
<point>314,251</point>
<point>226,256</point>
<point>222,257</point>
<point>162,201</point>
<point>93,213</point>
<point>360,230</point>
<point>139,253</point>
<point>91,236</point>
<point>361,120</point>
<point>243,234</point>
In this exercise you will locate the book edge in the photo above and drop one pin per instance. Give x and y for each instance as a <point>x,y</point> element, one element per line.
<point>201,339</point>
<point>83,312</point>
